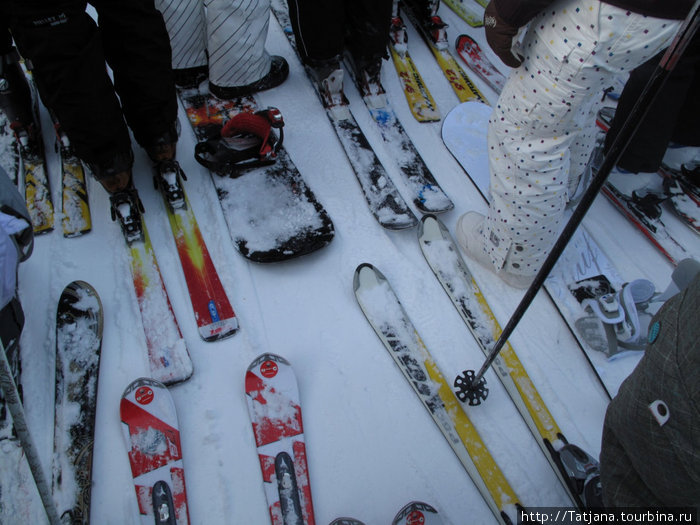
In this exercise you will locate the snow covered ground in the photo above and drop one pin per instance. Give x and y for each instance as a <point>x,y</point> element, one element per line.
<point>371,445</point>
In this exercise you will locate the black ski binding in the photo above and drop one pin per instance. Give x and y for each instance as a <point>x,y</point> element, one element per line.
<point>168,179</point>
<point>127,208</point>
<point>163,507</point>
<point>467,391</point>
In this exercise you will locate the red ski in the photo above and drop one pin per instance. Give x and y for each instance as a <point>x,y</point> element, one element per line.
<point>212,309</point>
<point>275,412</point>
<point>153,439</point>
<point>472,55</point>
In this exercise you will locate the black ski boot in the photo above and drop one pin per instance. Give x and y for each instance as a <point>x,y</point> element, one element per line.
<point>126,207</point>
<point>168,179</point>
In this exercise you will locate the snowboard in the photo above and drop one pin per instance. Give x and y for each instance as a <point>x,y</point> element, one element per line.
<point>464,133</point>
<point>274,406</point>
<point>271,213</point>
<point>152,434</point>
<point>79,322</point>
<point>417,513</point>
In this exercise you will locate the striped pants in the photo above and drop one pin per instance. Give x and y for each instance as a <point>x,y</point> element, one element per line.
<point>233,32</point>
<point>541,132</point>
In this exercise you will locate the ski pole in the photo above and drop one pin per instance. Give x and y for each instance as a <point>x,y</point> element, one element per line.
<point>473,388</point>
<point>9,388</point>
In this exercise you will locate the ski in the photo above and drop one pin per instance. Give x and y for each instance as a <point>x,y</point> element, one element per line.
<point>212,309</point>
<point>464,134</point>
<point>476,60</point>
<point>417,513</point>
<point>274,406</point>
<point>383,198</point>
<point>76,219</point>
<point>289,221</point>
<point>79,322</point>
<point>647,219</point>
<point>443,257</point>
<point>427,194</point>
<point>420,101</point>
<point>37,192</point>
<point>346,521</point>
<point>168,356</point>
<point>152,434</point>
<point>433,31</point>
<point>471,14</point>
<point>393,326</point>
<point>645,212</point>
<point>9,150</point>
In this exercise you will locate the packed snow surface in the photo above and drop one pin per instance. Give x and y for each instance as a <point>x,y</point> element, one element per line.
<point>371,445</point>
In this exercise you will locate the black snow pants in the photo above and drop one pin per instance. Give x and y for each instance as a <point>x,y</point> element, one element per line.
<point>324,28</point>
<point>673,115</point>
<point>69,52</point>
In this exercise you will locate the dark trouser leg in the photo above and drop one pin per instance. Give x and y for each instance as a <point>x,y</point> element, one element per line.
<point>137,48</point>
<point>65,48</point>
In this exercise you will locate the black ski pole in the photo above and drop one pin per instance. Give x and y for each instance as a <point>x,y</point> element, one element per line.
<point>9,388</point>
<point>472,389</point>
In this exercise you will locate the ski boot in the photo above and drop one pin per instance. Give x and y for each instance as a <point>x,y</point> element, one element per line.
<point>126,207</point>
<point>583,473</point>
<point>168,179</point>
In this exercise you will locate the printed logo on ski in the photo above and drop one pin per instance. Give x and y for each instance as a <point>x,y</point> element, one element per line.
<point>268,369</point>
<point>144,395</point>
<point>415,518</point>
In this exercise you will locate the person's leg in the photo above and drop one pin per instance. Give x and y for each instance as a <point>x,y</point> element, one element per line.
<point>571,52</point>
<point>137,48</point>
<point>185,21</point>
<point>64,46</point>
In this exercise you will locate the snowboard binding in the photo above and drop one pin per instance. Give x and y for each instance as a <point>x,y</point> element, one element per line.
<point>467,391</point>
<point>246,142</point>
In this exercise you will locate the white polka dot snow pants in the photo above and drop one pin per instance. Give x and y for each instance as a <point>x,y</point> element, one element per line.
<point>542,129</point>
<point>233,31</point>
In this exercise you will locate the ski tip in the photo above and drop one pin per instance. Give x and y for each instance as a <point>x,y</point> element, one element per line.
<point>366,275</point>
<point>346,521</point>
<point>143,382</point>
<point>417,512</point>
<point>79,298</point>
<point>264,358</point>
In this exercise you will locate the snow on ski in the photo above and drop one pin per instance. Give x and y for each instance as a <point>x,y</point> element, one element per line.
<point>37,192</point>
<point>274,406</point>
<point>9,150</point>
<point>476,60</point>
<point>168,356</point>
<point>420,101</point>
<point>427,194</point>
<point>290,221</point>
<point>152,434</point>
<point>212,309</point>
<point>450,269</point>
<point>433,30</point>
<point>417,513</point>
<point>383,198</point>
<point>75,205</point>
<point>472,15</point>
<point>394,328</point>
<point>79,322</point>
